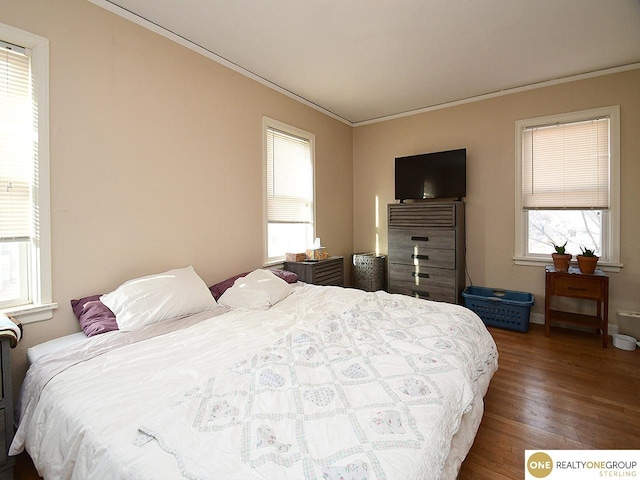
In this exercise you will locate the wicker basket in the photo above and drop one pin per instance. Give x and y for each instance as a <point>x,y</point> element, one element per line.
<point>369,271</point>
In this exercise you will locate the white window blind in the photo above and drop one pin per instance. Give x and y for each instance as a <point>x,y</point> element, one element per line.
<point>18,140</point>
<point>25,229</point>
<point>566,166</point>
<point>289,210</point>
<point>289,178</point>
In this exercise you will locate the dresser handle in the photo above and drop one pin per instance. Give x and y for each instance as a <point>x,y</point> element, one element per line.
<point>419,294</point>
<point>421,275</point>
<point>420,239</point>
<point>420,257</point>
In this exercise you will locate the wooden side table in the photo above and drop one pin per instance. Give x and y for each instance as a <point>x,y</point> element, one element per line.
<point>575,284</point>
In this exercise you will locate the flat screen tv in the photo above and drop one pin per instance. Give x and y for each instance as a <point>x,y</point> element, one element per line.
<point>432,175</point>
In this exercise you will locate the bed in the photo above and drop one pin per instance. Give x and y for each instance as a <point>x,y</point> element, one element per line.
<point>276,380</point>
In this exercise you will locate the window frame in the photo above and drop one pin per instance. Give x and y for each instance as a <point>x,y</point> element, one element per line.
<point>610,230</point>
<point>40,305</point>
<point>268,123</point>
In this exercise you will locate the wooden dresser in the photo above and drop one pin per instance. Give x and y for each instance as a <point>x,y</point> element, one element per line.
<point>426,250</point>
<point>323,272</point>
<point>6,412</point>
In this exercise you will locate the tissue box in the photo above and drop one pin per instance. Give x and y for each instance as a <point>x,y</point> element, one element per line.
<point>317,253</point>
<point>295,257</point>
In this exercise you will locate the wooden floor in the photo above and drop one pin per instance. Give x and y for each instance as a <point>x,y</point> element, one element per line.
<point>560,392</point>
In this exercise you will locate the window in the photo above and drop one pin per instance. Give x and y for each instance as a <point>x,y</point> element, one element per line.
<point>289,190</point>
<point>567,185</point>
<point>25,271</point>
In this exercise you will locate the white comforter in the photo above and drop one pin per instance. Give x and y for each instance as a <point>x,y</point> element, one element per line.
<point>329,383</point>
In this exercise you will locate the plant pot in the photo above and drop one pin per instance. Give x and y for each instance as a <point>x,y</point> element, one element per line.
<point>587,264</point>
<point>561,261</point>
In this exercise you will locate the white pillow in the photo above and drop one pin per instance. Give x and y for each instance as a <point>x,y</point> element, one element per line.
<point>151,299</point>
<point>257,291</point>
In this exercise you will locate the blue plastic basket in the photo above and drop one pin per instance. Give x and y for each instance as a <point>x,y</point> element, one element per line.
<point>500,308</point>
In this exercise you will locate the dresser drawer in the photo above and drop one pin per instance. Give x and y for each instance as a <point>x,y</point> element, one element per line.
<point>430,283</point>
<point>416,275</point>
<point>423,214</point>
<point>577,287</point>
<point>436,293</point>
<point>427,257</point>
<point>406,239</point>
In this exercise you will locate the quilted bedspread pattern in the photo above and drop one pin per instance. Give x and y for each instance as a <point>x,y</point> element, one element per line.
<point>376,391</point>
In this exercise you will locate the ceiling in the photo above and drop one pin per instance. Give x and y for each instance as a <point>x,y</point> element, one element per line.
<point>365,60</point>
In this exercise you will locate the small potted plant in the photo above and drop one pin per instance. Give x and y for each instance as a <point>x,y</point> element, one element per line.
<point>561,258</point>
<point>587,260</point>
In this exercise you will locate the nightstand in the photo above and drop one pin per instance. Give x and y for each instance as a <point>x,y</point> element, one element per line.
<point>329,271</point>
<point>575,284</point>
<point>6,412</point>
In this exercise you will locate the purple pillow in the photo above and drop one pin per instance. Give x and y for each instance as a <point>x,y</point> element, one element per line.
<point>219,288</point>
<point>94,316</point>
<point>286,275</point>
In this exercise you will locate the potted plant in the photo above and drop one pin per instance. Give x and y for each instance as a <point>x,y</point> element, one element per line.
<point>587,261</point>
<point>561,258</point>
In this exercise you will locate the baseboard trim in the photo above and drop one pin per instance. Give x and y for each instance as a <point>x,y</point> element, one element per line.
<point>537,318</point>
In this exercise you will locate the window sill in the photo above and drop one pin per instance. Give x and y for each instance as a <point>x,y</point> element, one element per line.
<point>541,262</point>
<point>274,263</point>
<point>31,313</point>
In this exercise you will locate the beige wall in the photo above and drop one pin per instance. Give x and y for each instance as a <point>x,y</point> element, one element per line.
<point>156,158</point>
<point>487,129</point>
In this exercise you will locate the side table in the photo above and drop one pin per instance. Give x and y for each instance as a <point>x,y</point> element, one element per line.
<point>6,409</point>
<point>575,284</point>
<point>329,271</point>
